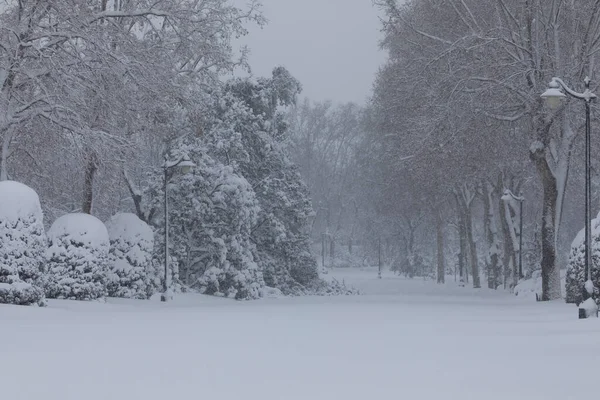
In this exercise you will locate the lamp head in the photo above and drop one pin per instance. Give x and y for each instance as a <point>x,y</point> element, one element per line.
<point>553,96</point>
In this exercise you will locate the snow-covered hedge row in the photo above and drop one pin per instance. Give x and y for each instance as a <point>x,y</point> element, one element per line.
<point>22,244</point>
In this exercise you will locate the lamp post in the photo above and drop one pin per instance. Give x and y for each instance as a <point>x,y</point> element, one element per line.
<point>185,165</point>
<point>508,195</point>
<point>554,97</point>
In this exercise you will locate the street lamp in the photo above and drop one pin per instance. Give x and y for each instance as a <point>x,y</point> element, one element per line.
<point>185,165</point>
<point>554,97</point>
<point>508,195</point>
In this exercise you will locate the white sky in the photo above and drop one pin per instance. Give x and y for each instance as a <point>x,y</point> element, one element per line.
<point>331,46</point>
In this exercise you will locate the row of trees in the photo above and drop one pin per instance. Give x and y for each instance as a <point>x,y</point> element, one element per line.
<point>457,118</point>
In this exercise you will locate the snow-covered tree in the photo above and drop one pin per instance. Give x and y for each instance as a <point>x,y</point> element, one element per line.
<point>576,272</point>
<point>22,244</point>
<point>131,247</point>
<point>249,136</point>
<point>211,215</point>
<point>77,258</point>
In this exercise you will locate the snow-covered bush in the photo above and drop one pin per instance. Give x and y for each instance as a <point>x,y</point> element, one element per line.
<point>131,246</point>
<point>22,244</point>
<point>576,273</point>
<point>77,258</point>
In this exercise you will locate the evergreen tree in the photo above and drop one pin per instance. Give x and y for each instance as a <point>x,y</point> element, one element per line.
<point>249,136</point>
<point>576,272</point>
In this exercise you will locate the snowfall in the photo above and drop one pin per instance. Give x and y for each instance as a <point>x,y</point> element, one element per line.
<point>400,339</point>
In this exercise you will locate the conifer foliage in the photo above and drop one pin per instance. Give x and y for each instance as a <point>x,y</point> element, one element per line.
<point>22,245</point>
<point>131,246</point>
<point>77,258</point>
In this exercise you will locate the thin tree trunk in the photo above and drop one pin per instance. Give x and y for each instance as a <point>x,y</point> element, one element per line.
<point>473,252</point>
<point>441,270</point>
<point>462,235</point>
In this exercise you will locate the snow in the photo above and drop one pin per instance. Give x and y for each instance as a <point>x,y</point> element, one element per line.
<point>129,227</point>
<point>528,288</point>
<point>580,237</point>
<point>401,338</point>
<point>18,201</point>
<point>82,227</point>
<point>589,287</point>
<point>590,307</point>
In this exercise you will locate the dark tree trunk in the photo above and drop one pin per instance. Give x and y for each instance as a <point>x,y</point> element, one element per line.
<point>550,272</point>
<point>462,236</point>
<point>91,168</point>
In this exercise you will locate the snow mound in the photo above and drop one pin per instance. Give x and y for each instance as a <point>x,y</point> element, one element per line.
<point>18,200</point>
<point>271,293</point>
<point>83,228</point>
<point>528,288</point>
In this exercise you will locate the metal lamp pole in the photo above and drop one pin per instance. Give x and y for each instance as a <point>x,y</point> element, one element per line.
<point>185,165</point>
<point>554,97</point>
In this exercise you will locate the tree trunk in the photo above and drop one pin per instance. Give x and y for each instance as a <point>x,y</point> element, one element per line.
<point>441,270</point>
<point>88,184</point>
<point>550,270</point>
<point>508,252</point>
<point>473,252</point>
<point>8,135</point>
<point>462,235</point>
<point>491,229</point>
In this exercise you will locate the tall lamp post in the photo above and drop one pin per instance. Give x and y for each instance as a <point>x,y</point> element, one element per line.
<point>554,96</point>
<point>185,165</point>
<point>508,195</point>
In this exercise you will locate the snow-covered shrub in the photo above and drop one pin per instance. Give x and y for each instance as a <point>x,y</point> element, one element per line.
<point>77,258</point>
<point>131,246</point>
<point>576,273</point>
<point>22,244</point>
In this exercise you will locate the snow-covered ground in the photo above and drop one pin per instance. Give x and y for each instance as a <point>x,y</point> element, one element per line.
<point>400,339</point>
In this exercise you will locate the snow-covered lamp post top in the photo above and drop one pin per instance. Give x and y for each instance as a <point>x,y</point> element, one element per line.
<point>554,95</point>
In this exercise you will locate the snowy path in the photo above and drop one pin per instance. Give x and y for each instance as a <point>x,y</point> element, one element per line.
<point>401,339</point>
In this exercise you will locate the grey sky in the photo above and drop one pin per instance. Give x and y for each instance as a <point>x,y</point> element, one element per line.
<point>331,46</point>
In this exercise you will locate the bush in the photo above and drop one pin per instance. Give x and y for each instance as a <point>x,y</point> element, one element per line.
<point>131,246</point>
<point>22,244</point>
<point>77,258</point>
<point>576,274</point>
